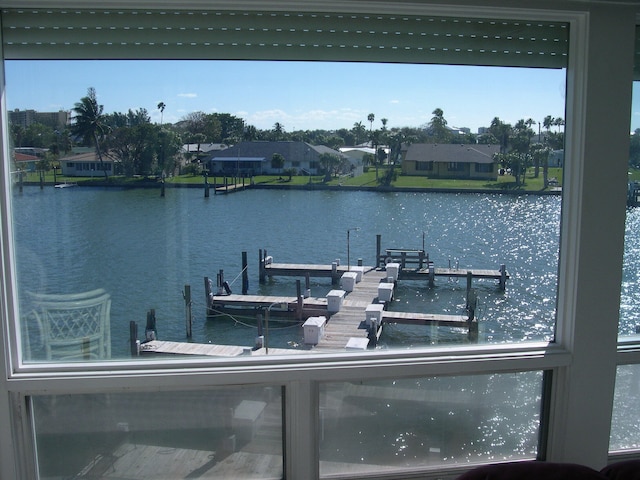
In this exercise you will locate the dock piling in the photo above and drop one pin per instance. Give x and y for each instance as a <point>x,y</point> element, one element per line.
<point>186,294</point>
<point>151,331</point>
<point>245,274</point>
<point>133,339</point>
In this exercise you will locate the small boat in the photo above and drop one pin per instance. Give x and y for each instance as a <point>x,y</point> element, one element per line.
<point>65,185</point>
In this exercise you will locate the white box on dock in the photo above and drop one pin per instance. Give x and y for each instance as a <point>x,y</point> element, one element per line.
<point>357,343</point>
<point>334,300</point>
<point>385,292</point>
<point>393,269</point>
<point>247,418</point>
<point>313,329</point>
<point>348,281</point>
<point>359,271</point>
<point>373,312</point>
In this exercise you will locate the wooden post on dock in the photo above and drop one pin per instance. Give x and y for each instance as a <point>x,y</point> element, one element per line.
<point>334,273</point>
<point>469,281</point>
<point>432,274</point>
<point>420,259</point>
<point>307,285</point>
<point>300,299</point>
<point>187,306</point>
<point>206,186</point>
<point>245,274</point>
<point>133,338</point>
<point>208,292</point>
<point>262,275</point>
<point>503,277</point>
<point>151,331</point>
<point>162,186</point>
<point>378,247</point>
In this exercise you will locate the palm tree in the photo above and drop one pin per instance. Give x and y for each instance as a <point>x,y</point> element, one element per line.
<point>89,123</point>
<point>161,107</point>
<point>371,117</point>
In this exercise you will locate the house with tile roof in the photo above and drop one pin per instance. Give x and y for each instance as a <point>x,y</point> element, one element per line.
<point>254,158</point>
<point>468,161</point>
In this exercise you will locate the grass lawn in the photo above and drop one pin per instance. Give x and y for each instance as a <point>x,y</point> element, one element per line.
<point>368,179</point>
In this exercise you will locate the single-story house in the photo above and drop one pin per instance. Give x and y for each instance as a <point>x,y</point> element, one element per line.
<point>254,158</point>
<point>556,158</point>
<point>471,161</point>
<point>86,164</point>
<point>24,161</point>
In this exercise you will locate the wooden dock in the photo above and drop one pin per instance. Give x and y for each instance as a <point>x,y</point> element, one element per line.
<point>159,347</point>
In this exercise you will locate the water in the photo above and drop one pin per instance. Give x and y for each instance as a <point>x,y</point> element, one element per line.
<point>143,249</point>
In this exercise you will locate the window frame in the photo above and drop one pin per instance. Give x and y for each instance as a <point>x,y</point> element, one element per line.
<point>595,28</point>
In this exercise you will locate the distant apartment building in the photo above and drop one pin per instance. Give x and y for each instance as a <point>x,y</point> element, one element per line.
<point>24,118</point>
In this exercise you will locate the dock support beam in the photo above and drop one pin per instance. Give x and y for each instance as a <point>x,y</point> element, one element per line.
<point>133,338</point>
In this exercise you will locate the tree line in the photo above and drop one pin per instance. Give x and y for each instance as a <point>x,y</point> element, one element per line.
<point>145,148</point>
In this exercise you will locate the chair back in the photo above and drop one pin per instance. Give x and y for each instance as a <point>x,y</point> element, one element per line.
<point>74,326</point>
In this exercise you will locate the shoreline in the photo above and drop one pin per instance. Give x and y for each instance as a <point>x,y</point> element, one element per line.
<point>313,187</point>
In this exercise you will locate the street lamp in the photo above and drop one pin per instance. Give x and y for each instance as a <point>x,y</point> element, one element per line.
<point>348,258</point>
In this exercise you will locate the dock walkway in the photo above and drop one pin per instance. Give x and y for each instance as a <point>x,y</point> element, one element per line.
<point>349,322</point>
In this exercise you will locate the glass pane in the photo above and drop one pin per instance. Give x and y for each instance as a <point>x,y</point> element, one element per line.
<point>223,433</point>
<point>316,179</point>
<point>376,426</point>
<point>625,423</point>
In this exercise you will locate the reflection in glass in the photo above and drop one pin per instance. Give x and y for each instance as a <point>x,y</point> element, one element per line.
<point>222,433</point>
<point>384,425</point>
<point>625,421</point>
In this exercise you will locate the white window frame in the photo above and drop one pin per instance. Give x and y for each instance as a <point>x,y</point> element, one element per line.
<point>583,359</point>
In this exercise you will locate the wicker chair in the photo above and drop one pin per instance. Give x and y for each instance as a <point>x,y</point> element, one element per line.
<point>71,327</point>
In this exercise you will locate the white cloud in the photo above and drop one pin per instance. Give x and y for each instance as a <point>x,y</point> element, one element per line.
<point>188,95</point>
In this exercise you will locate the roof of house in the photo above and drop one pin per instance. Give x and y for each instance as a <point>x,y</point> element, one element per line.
<point>288,149</point>
<point>462,153</point>
<point>83,157</point>
<point>204,147</point>
<point>238,159</point>
<point>23,157</point>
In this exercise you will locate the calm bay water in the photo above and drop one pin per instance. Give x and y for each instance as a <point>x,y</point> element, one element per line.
<point>143,249</point>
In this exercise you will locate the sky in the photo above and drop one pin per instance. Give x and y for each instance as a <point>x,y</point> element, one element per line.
<point>298,95</point>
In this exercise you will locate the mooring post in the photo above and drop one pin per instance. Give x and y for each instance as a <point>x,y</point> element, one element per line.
<point>334,272</point>
<point>260,267</point>
<point>206,185</point>
<point>245,274</point>
<point>187,306</point>
<point>151,331</point>
<point>162,186</point>
<point>133,339</point>
<point>469,281</point>
<point>263,270</point>
<point>503,277</point>
<point>378,247</point>
<point>307,285</point>
<point>420,259</point>
<point>432,275</point>
<point>215,184</point>
<point>208,292</point>
<point>300,299</point>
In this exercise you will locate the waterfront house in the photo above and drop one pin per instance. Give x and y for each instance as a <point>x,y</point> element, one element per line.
<point>86,164</point>
<point>435,160</point>
<point>254,158</point>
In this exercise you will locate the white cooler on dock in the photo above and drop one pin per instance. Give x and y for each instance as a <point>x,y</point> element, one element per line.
<point>313,330</point>
<point>393,269</point>
<point>348,281</point>
<point>334,300</point>
<point>385,292</point>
